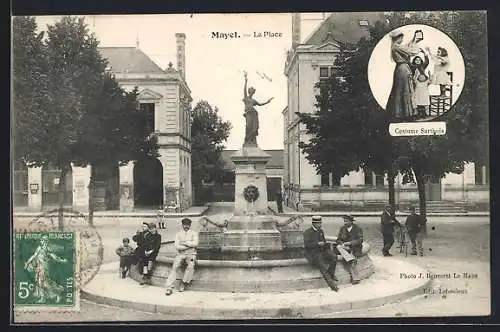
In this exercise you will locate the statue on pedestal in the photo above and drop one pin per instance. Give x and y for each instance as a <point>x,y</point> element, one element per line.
<point>251,115</point>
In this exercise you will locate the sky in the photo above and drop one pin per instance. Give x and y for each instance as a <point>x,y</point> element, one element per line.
<point>214,67</point>
<point>380,62</point>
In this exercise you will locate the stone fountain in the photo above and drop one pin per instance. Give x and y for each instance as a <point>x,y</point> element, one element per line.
<point>252,251</point>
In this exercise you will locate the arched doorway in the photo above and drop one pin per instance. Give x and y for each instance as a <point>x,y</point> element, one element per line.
<point>50,186</point>
<point>20,183</point>
<point>148,183</point>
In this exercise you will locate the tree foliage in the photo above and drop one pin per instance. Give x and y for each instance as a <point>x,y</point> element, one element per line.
<point>67,110</point>
<point>208,134</point>
<point>349,129</point>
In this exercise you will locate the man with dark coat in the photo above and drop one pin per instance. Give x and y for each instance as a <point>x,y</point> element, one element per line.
<point>318,252</point>
<point>350,238</point>
<point>387,223</point>
<point>152,243</point>
<point>415,225</point>
<point>138,238</point>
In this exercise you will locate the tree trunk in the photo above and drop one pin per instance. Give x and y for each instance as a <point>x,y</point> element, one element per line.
<point>62,197</point>
<point>419,178</point>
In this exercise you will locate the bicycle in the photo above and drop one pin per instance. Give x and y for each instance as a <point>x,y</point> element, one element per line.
<point>403,240</point>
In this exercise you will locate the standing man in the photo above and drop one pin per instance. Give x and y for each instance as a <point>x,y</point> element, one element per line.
<point>415,225</point>
<point>319,253</point>
<point>387,222</point>
<point>279,201</point>
<point>350,239</point>
<point>152,243</point>
<point>186,242</point>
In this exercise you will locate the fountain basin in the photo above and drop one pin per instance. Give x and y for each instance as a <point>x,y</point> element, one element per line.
<point>255,275</point>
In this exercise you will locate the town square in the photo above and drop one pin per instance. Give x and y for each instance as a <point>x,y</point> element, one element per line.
<point>251,169</point>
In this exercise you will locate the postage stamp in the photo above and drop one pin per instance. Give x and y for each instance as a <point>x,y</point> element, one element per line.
<point>46,271</point>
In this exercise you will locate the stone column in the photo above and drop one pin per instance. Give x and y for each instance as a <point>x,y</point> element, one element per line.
<point>127,187</point>
<point>35,182</point>
<point>81,180</point>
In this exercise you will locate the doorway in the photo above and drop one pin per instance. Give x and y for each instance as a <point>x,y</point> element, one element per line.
<point>148,184</point>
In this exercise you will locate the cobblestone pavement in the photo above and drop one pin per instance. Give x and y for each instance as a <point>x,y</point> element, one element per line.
<point>454,245</point>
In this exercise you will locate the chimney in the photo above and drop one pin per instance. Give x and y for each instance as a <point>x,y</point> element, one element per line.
<point>181,54</point>
<point>295,29</point>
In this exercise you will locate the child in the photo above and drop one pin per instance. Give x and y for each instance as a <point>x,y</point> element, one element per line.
<point>441,68</point>
<point>422,99</point>
<point>126,253</point>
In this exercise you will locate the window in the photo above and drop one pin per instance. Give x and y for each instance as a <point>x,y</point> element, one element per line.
<point>325,179</point>
<point>379,180</point>
<point>149,108</point>
<point>481,174</point>
<point>335,180</point>
<point>368,178</point>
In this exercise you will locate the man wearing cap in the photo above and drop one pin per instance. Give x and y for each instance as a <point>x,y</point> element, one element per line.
<point>152,243</point>
<point>318,252</point>
<point>387,223</point>
<point>186,242</point>
<point>415,224</point>
<point>350,239</point>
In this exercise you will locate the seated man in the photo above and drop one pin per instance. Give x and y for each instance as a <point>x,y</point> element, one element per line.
<point>318,252</point>
<point>151,244</point>
<point>186,242</point>
<point>350,240</point>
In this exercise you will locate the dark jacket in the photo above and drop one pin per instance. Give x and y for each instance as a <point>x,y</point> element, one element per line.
<point>414,223</point>
<point>387,223</point>
<point>139,239</point>
<point>355,237</point>
<point>311,238</point>
<point>152,242</point>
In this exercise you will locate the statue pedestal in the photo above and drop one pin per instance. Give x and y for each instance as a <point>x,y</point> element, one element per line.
<point>251,227</point>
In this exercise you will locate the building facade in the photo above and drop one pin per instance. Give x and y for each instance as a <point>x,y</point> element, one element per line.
<point>310,62</point>
<point>149,183</point>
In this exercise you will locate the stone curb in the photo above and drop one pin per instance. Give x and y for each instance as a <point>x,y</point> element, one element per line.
<point>125,214</point>
<point>201,310</point>
<point>376,213</point>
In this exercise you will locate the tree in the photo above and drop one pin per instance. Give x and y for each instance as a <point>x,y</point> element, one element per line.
<point>208,134</point>
<point>30,87</point>
<point>348,106</point>
<point>76,114</point>
<point>113,130</point>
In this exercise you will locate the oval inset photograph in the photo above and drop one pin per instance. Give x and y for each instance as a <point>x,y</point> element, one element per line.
<point>416,72</point>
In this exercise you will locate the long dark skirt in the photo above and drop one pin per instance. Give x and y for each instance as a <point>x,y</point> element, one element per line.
<point>401,102</point>
<point>252,127</point>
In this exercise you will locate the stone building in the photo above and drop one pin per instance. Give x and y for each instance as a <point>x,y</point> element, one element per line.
<point>149,183</point>
<point>310,62</point>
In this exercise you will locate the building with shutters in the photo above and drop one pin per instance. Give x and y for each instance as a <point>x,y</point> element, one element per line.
<point>149,183</point>
<point>311,61</point>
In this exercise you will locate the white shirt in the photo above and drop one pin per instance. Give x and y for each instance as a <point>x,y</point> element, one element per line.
<point>349,229</point>
<point>188,237</point>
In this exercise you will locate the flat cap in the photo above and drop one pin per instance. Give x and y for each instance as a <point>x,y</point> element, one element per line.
<point>186,221</point>
<point>152,225</point>
<point>316,219</point>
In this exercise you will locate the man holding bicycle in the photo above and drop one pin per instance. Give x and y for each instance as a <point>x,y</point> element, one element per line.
<point>415,225</point>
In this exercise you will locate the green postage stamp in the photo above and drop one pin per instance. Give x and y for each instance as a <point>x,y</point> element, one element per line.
<point>46,271</point>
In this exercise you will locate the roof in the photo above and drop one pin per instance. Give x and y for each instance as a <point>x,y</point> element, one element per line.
<point>276,160</point>
<point>129,60</point>
<point>344,27</point>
